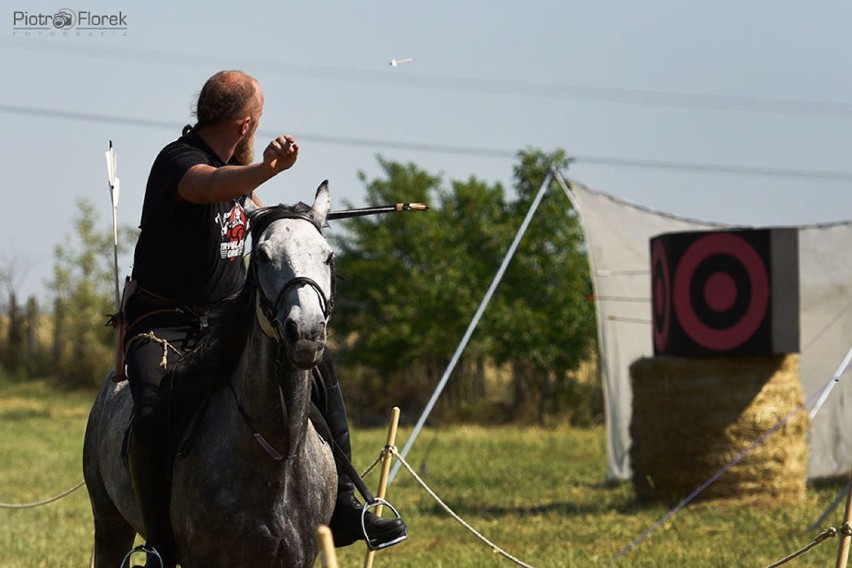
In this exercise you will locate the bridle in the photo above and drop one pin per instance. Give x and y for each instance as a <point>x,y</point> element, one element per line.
<point>268,309</point>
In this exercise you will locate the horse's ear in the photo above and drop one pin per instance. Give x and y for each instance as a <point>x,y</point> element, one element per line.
<point>322,203</point>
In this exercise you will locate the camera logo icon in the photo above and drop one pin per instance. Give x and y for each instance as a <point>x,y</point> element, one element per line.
<point>63,19</point>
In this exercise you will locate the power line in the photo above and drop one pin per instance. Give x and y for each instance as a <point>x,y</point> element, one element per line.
<point>694,167</point>
<point>86,116</point>
<point>611,95</point>
<point>360,142</point>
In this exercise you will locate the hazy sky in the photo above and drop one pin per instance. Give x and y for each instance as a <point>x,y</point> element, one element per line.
<point>726,111</point>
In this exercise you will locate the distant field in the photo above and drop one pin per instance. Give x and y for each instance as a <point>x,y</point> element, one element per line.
<point>537,493</point>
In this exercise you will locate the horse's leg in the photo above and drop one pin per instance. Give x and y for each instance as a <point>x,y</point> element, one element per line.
<point>113,534</point>
<point>113,540</point>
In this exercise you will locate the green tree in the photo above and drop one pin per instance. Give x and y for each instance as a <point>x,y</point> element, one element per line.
<point>476,232</point>
<point>410,285</point>
<point>12,356</point>
<point>37,362</point>
<point>83,284</point>
<point>542,322</point>
<point>386,290</point>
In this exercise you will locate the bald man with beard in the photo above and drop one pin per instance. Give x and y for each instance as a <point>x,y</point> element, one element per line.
<point>188,259</point>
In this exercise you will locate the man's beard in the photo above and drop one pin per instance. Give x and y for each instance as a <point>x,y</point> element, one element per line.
<point>244,152</point>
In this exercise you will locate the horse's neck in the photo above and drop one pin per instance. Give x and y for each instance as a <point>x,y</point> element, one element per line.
<point>274,395</point>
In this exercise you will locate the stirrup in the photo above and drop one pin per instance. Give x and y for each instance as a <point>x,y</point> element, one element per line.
<point>148,550</point>
<point>373,545</point>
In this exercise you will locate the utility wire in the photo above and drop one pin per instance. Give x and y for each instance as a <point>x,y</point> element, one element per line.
<point>616,95</point>
<point>360,142</point>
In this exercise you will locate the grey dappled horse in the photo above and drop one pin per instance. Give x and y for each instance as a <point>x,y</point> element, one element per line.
<point>258,479</point>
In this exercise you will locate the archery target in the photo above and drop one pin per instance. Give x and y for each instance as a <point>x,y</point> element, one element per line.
<point>725,292</point>
<point>721,291</point>
<point>660,296</point>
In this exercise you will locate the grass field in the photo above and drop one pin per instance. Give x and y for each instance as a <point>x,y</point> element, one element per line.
<point>537,493</point>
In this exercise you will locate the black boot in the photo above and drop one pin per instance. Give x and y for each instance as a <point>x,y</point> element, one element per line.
<point>147,466</point>
<point>346,520</point>
<point>346,526</point>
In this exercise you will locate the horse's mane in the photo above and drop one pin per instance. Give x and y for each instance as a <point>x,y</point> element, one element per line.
<point>217,354</point>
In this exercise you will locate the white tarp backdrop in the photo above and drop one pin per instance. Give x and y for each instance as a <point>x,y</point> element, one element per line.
<point>617,236</point>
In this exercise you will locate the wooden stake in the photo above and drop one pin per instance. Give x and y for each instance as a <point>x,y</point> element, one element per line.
<point>326,546</point>
<point>383,480</point>
<point>843,552</point>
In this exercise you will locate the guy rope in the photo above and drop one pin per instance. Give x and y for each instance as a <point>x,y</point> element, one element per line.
<point>385,457</point>
<point>44,501</point>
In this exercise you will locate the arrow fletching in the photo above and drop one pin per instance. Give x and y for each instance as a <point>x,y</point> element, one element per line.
<point>111,161</point>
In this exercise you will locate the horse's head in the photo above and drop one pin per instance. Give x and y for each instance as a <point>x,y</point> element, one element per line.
<point>293,268</point>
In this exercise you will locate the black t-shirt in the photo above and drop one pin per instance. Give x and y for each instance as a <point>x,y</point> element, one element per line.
<point>189,253</point>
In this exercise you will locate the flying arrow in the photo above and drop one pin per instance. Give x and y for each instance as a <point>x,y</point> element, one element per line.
<point>398,62</point>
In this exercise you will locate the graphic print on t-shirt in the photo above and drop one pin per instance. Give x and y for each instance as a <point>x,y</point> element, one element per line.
<point>234,226</point>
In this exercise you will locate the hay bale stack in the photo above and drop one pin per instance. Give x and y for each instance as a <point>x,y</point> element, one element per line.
<point>691,417</point>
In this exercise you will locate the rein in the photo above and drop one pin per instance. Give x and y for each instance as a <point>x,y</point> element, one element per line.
<point>266,312</point>
<point>258,437</point>
<point>321,427</point>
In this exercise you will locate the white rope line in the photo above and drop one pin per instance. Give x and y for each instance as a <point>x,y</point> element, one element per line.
<point>494,547</point>
<point>45,502</point>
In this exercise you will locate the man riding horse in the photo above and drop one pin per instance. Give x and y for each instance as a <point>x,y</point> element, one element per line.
<point>188,259</point>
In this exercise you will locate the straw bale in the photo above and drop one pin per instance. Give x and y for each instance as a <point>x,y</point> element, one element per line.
<point>691,417</point>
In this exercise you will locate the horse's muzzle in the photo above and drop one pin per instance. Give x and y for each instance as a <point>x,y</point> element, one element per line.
<point>303,342</point>
<point>304,353</point>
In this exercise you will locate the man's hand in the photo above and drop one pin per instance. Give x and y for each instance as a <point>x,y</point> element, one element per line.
<point>281,153</point>
<point>203,183</point>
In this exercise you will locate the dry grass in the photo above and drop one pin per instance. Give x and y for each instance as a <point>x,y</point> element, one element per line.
<point>691,417</point>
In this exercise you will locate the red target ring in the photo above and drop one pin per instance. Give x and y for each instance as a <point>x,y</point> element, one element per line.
<point>660,296</point>
<point>741,252</point>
